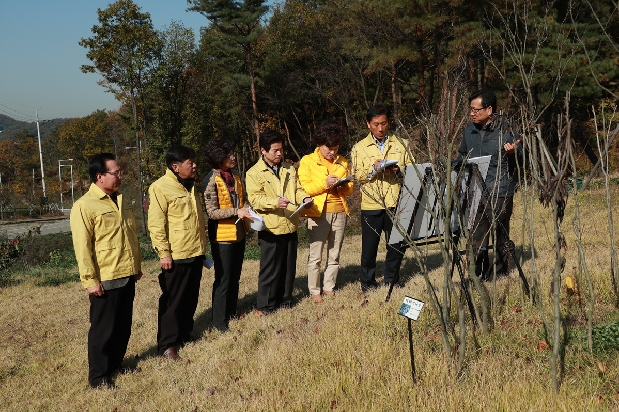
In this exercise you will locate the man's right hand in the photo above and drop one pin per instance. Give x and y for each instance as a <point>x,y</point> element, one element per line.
<point>96,290</point>
<point>166,263</point>
<point>282,202</point>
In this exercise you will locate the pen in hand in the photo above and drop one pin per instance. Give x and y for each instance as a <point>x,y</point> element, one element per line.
<point>292,203</point>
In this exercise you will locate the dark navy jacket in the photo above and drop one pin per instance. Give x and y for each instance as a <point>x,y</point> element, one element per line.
<point>501,164</point>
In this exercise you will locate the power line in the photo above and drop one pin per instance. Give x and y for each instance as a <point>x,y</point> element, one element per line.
<point>19,118</point>
<point>19,104</point>
<point>20,113</point>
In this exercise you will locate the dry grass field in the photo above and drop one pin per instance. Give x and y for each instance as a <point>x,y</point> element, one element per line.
<point>349,354</point>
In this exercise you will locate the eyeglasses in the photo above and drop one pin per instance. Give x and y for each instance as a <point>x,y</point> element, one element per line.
<point>476,110</point>
<point>115,173</point>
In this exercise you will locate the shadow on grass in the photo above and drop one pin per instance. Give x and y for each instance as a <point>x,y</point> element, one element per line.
<point>347,275</point>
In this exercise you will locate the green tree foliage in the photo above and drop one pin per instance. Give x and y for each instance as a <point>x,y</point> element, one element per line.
<point>125,49</point>
<point>235,33</point>
<point>18,158</point>
<point>169,95</point>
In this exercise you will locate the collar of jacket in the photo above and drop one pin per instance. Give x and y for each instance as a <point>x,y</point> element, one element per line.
<point>489,127</point>
<point>173,176</point>
<point>369,140</point>
<point>267,166</point>
<point>98,192</point>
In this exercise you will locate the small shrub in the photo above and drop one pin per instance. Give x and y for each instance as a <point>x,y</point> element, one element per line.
<point>606,337</point>
<point>61,260</point>
<point>9,251</point>
<point>57,278</point>
<point>36,250</point>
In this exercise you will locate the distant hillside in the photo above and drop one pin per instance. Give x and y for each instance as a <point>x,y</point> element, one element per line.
<point>9,127</point>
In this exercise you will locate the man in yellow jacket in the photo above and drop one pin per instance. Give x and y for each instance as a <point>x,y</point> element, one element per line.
<point>274,192</point>
<point>109,260</point>
<point>177,231</point>
<point>380,189</point>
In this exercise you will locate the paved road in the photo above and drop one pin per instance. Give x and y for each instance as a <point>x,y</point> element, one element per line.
<point>47,227</point>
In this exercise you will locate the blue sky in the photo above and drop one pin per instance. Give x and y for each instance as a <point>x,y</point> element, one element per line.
<point>41,58</point>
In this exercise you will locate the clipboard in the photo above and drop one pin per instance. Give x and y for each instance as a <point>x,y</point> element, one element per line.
<point>301,206</point>
<point>385,164</point>
<point>341,182</point>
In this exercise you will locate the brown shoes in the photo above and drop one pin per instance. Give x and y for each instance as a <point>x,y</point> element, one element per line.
<point>317,299</point>
<point>171,354</point>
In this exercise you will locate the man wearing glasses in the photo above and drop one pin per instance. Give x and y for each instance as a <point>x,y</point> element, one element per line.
<point>177,231</point>
<point>487,136</point>
<point>109,260</point>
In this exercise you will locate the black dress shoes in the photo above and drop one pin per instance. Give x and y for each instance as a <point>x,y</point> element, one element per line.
<point>103,383</point>
<point>171,354</point>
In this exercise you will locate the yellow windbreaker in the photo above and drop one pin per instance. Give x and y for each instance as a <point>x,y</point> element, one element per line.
<point>176,219</point>
<point>377,188</point>
<point>263,189</point>
<point>104,238</point>
<point>313,175</point>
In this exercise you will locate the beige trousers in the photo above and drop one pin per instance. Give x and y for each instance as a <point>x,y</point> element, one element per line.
<point>327,229</point>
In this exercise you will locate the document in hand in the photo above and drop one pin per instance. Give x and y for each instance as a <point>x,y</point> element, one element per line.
<point>340,182</point>
<point>385,164</point>
<point>301,206</point>
<point>258,223</point>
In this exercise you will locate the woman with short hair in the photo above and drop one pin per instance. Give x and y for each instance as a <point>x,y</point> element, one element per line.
<point>226,207</point>
<point>323,175</point>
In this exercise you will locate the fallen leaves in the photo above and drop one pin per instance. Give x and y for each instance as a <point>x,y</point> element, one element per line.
<point>542,346</point>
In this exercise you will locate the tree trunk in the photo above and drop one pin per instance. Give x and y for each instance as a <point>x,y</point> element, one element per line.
<point>139,159</point>
<point>254,99</point>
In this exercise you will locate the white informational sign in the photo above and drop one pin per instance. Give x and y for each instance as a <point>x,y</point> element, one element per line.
<point>410,308</point>
<point>471,188</point>
<point>419,206</point>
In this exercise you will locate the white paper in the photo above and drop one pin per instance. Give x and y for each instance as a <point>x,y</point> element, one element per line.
<point>301,206</point>
<point>258,223</point>
<point>385,164</point>
<point>340,182</point>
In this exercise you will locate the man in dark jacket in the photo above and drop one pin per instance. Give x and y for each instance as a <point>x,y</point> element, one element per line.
<point>487,136</point>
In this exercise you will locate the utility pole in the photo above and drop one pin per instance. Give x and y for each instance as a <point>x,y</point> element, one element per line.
<point>41,159</point>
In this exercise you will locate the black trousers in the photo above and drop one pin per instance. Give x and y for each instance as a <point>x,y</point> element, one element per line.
<point>482,230</point>
<point>180,288</point>
<point>373,224</point>
<point>278,268</point>
<point>110,328</point>
<point>228,258</point>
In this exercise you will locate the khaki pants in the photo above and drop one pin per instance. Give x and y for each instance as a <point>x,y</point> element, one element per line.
<point>327,229</point>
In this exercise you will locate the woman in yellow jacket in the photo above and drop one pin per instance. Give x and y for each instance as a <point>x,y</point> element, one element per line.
<point>323,174</point>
